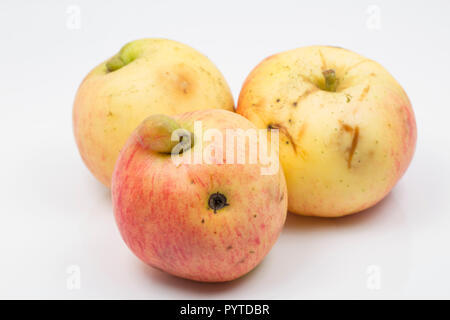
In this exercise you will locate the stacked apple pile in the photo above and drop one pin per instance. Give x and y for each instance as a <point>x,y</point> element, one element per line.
<point>346,128</point>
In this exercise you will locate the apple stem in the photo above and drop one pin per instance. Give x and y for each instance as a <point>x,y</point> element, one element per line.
<point>127,54</point>
<point>114,63</point>
<point>330,80</point>
<point>161,133</point>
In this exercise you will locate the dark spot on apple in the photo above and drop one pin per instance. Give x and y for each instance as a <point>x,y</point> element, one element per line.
<point>254,216</point>
<point>353,146</point>
<point>217,201</point>
<point>294,103</point>
<point>278,100</point>
<point>203,220</point>
<point>284,131</point>
<point>229,247</point>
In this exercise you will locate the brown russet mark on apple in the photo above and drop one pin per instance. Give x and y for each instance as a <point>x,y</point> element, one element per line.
<point>301,133</point>
<point>304,95</point>
<point>347,128</point>
<point>353,146</point>
<point>364,93</point>
<point>181,81</point>
<point>355,138</point>
<point>284,131</point>
<point>184,84</point>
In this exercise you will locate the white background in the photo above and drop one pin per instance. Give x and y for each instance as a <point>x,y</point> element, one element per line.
<point>54,214</point>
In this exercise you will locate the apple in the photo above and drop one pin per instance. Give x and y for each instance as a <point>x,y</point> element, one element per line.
<point>209,221</point>
<point>146,77</point>
<point>347,128</point>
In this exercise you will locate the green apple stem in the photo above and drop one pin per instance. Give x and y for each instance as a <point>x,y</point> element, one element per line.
<point>330,80</point>
<point>161,133</point>
<point>127,54</point>
<point>114,64</point>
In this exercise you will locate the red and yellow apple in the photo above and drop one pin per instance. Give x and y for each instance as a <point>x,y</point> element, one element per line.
<point>211,221</point>
<point>347,128</point>
<point>146,77</point>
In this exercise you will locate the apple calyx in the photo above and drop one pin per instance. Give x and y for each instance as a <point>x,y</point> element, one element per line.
<point>217,201</point>
<point>127,54</point>
<point>161,133</point>
<point>331,81</point>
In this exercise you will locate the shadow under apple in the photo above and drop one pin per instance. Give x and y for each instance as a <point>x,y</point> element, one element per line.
<point>201,289</point>
<point>340,257</point>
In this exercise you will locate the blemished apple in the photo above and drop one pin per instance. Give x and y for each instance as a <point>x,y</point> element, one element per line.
<point>211,221</point>
<point>146,77</point>
<point>347,128</point>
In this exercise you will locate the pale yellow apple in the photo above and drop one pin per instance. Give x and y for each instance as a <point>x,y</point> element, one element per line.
<point>347,128</point>
<point>146,77</point>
